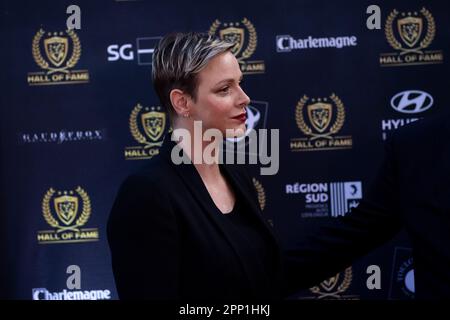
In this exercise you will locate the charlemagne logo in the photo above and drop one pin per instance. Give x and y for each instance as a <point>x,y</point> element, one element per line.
<point>147,126</point>
<point>334,288</point>
<point>67,212</point>
<point>243,34</point>
<point>410,33</point>
<point>56,53</point>
<point>320,119</point>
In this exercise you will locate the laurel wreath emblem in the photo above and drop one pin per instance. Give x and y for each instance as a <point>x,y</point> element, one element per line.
<point>340,118</point>
<point>213,29</point>
<point>36,51</point>
<point>301,124</point>
<point>299,116</point>
<point>46,209</point>
<point>253,38</point>
<point>388,28</point>
<point>137,135</point>
<point>348,275</point>
<point>431,32</point>
<point>252,42</point>
<point>85,213</point>
<point>41,62</point>
<point>427,40</point>
<point>261,194</point>
<point>76,53</point>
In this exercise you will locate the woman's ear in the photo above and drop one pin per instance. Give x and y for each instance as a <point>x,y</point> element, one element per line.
<point>179,101</point>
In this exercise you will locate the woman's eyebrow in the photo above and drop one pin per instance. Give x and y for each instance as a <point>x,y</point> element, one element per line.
<point>229,80</point>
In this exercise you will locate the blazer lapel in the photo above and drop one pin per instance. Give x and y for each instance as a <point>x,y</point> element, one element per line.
<point>188,173</point>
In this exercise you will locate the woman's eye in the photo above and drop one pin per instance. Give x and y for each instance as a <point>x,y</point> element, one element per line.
<point>225,89</point>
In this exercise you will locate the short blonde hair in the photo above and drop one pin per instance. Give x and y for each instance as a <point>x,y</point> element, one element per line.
<point>178,58</point>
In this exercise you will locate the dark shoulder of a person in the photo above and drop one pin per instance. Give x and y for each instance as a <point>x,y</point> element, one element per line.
<point>423,132</point>
<point>427,127</point>
<point>152,172</point>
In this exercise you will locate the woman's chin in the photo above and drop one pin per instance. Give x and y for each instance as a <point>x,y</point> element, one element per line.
<point>236,132</point>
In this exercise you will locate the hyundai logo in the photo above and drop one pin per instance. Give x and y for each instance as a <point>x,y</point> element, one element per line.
<point>412,101</point>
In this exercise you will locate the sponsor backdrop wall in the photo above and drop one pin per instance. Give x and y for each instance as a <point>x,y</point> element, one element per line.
<point>78,114</point>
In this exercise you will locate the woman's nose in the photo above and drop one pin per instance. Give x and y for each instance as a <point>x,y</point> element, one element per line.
<point>244,99</point>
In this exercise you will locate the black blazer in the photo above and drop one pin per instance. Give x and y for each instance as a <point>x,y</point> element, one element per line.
<point>168,241</point>
<point>411,190</point>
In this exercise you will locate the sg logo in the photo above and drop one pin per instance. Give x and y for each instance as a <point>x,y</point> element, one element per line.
<point>124,52</point>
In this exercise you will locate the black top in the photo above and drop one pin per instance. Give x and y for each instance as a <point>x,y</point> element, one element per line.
<point>240,224</point>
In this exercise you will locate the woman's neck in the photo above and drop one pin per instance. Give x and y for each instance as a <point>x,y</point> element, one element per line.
<point>203,154</point>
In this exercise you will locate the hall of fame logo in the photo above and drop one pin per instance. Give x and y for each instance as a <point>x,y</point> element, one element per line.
<point>147,126</point>
<point>67,212</point>
<point>243,35</point>
<point>56,53</point>
<point>410,33</point>
<point>320,119</point>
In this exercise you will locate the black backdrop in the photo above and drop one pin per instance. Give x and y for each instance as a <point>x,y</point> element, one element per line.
<point>71,142</point>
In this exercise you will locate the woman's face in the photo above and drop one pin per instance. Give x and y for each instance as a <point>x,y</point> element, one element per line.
<point>220,102</point>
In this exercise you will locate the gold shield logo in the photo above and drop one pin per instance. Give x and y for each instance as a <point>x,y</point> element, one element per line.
<point>66,207</point>
<point>56,49</point>
<point>154,123</point>
<point>410,30</point>
<point>234,35</point>
<point>320,115</point>
<point>410,27</point>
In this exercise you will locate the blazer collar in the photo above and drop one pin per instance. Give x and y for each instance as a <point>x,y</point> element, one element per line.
<point>188,173</point>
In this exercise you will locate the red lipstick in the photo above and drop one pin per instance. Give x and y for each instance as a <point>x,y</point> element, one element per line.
<point>242,117</point>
